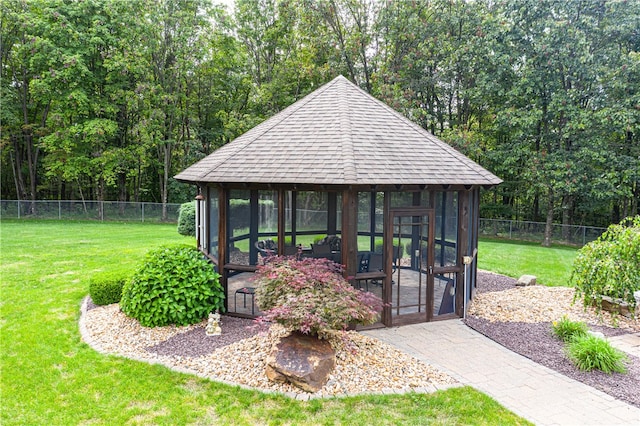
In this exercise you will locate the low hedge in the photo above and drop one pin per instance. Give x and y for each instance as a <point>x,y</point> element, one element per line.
<point>106,288</point>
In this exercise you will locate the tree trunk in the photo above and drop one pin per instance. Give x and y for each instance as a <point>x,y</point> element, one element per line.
<point>635,207</point>
<point>165,180</point>
<point>16,163</point>
<point>567,217</point>
<point>548,228</point>
<point>536,208</point>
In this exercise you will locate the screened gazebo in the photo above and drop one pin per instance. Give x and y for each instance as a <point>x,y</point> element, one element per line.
<point>341,175</point>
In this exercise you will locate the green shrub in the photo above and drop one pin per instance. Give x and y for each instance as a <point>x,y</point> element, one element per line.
<point>187,219</point>
<point>311,296</point>
<point>106,288</point>
<point>610,265</point>
<point>174,285</point>
<point>566,330</point>
<point>398,250</point>
<point>590,352</point>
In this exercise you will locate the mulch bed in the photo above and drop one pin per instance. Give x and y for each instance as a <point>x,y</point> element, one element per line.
<point>193,344</point>
<point>536,342</point>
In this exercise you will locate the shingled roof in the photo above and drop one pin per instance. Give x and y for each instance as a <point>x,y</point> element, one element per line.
<point>338,135</point>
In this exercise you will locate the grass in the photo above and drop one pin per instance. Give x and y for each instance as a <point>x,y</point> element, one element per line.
<point>49,376</point>
<point>551,265</point>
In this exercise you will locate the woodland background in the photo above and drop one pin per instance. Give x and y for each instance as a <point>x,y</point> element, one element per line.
<point>107,100</point>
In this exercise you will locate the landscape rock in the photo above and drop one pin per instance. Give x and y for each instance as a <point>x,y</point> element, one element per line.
<point>596,334</point>
<point>617,307</point>
<point>302,360</point>
<point>526,280</point>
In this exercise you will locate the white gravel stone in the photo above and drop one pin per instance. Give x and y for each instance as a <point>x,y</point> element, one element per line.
<point>363,364</point>
<point>541,304</point>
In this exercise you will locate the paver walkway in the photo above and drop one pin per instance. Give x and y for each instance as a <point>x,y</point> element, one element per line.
<point>530,390</point>
<point>630,343</point>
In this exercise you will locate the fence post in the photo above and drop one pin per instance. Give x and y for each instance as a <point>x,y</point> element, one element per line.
<point>18,209</point>
<point>142,212</point>
<point>510,226</point>
<point>584,235</point>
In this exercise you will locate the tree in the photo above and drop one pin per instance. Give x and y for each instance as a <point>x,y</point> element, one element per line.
<point>173,38</point>
<point>554,102</point>
<point>27,90</point>
<point>109,100</point>
<point>345,30</point>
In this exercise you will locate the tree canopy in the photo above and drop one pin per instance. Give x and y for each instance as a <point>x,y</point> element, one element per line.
<point>109,99</point>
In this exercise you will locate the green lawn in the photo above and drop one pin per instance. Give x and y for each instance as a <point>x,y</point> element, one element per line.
<point>48,376</point>
<point>551,265</point>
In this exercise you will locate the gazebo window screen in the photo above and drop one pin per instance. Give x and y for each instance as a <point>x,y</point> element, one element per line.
<point>267,214</point>
<point>238,228</point>
<point>311,215</point>
<point>446,238</point>
<point>370,221</point>
<point>253,216</point>
<point>445,204</point>
<point>214,215</point>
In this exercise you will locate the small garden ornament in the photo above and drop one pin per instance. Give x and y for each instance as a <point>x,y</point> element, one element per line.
<point>213,325</point>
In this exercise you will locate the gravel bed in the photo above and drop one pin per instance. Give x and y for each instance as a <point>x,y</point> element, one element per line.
<point>519,318</point>
<point>195,342</point>
<point>363,364</point>
<point>533,338</point>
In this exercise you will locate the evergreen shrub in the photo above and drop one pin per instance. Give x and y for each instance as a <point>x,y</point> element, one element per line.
<point>187,219</point>
<point>174,285</point>
<point>106,288</point>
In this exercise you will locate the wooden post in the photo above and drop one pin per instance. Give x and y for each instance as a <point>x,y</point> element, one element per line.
<point>223,202</point>
<point>387,238</point>
<point>281,221</point>
<point>463,249</point>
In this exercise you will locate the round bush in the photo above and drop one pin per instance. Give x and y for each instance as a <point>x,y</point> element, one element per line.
<point>174,285</point>
<point>106,288</point>
<point>187,219</point>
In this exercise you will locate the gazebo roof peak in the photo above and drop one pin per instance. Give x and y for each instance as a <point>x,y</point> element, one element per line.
<point>338,135</point>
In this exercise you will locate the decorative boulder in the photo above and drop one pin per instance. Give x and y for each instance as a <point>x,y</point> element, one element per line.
<point>617,306</point>
<point>526,280</point>
<point>302,360</point>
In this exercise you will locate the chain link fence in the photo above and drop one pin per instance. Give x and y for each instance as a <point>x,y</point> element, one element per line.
<point>152,212</point>
<point>89,210</point>
<point>534,231</point>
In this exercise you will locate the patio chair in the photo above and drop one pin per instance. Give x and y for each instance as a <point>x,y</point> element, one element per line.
<point>332,241</point>
<point>292,251</point>
<point>320,249</point>
<point>266,248</point>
